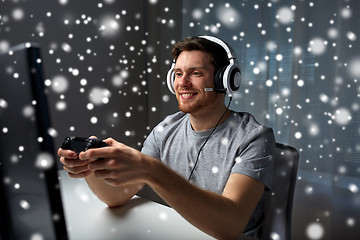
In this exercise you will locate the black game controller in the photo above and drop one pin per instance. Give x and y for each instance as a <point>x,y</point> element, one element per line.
<point>79,144</point>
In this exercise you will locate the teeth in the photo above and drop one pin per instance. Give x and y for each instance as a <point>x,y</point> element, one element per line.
<point>186,94</point>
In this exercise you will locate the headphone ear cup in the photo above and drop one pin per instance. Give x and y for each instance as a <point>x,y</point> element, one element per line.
<point>231,78</point>
<point>170,78</point>
<point>219,78</point>
<point>234,79</point>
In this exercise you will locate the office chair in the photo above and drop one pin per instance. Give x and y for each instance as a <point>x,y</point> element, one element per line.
<point>278,205</point>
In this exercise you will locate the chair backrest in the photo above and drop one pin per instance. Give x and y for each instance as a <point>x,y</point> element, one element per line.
<point>279,202</point>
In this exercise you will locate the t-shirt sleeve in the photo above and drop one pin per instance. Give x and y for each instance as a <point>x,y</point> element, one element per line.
<point>255,156</point>
<point>150,146</point>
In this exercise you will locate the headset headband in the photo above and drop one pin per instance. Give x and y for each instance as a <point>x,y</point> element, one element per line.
<point>228,79</point>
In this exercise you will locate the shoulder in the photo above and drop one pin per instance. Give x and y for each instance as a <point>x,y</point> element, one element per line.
<point>155,141</point>
<point>174,118</point>
<point>245,118</point>
<point>247,124</point>
<point>246,121</point>
<point>171,124</point>
<point>171,120</point>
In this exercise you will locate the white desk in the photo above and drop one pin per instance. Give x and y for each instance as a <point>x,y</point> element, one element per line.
<point>89,218</point>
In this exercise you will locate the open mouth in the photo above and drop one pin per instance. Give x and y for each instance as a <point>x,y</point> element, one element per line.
<point>187,95</point>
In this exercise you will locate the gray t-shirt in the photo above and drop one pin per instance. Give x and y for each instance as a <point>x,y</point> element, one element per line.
<point>238,145</point>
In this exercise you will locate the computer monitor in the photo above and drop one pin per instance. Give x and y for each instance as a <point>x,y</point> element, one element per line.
<point>30,202</point>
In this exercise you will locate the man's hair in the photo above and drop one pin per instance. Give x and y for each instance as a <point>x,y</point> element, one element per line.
<point>218,54</point>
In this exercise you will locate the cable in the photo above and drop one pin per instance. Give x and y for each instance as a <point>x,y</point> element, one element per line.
<point>207,139</point>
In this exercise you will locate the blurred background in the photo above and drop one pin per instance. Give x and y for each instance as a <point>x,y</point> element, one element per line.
<point>106,61</point>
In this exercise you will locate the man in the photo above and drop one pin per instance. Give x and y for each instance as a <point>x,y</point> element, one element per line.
<point>214,163</point>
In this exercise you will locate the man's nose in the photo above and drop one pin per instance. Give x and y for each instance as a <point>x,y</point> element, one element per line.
<point>184,81</point>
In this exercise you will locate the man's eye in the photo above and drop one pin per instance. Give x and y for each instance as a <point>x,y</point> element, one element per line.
<point>177,74</point>
<point>196,73</point>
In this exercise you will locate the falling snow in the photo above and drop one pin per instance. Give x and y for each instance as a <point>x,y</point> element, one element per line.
<point>105,75</point>
<point>44,161</point>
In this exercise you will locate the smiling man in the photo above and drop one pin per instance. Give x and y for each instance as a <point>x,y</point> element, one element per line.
<point>193,73</point>
<point>211,164</point>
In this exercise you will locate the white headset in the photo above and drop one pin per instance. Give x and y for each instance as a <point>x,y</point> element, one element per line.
<point>227,79</point>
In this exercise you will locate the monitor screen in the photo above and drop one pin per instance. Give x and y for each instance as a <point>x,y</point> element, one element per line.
<point>30,202</point>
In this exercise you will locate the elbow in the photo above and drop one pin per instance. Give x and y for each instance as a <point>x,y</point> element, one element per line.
<point>233,232</point>
<point>114,203</point>
<point>229,234</point>
<point>225,237</point>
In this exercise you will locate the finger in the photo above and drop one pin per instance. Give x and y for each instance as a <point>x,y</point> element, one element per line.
<point>74,162</point>
<point>67,153</point>
<point>62,160</point>
<point>104,164</point>
<point>77,170</point>
<point>111,141</point>
<point>95,153</point>
<point>80,175</point>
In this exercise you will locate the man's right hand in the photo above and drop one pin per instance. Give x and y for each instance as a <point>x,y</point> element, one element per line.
<point>75,167</point>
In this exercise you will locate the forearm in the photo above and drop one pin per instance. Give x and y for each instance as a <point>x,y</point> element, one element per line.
<point>212,213</point>
<point>113,196</point>
<point>222,216</point>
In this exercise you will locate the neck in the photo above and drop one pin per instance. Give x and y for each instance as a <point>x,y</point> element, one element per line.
<point>203,122</point>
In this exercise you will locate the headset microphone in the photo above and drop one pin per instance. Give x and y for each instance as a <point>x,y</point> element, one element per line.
<point>223,90</point>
